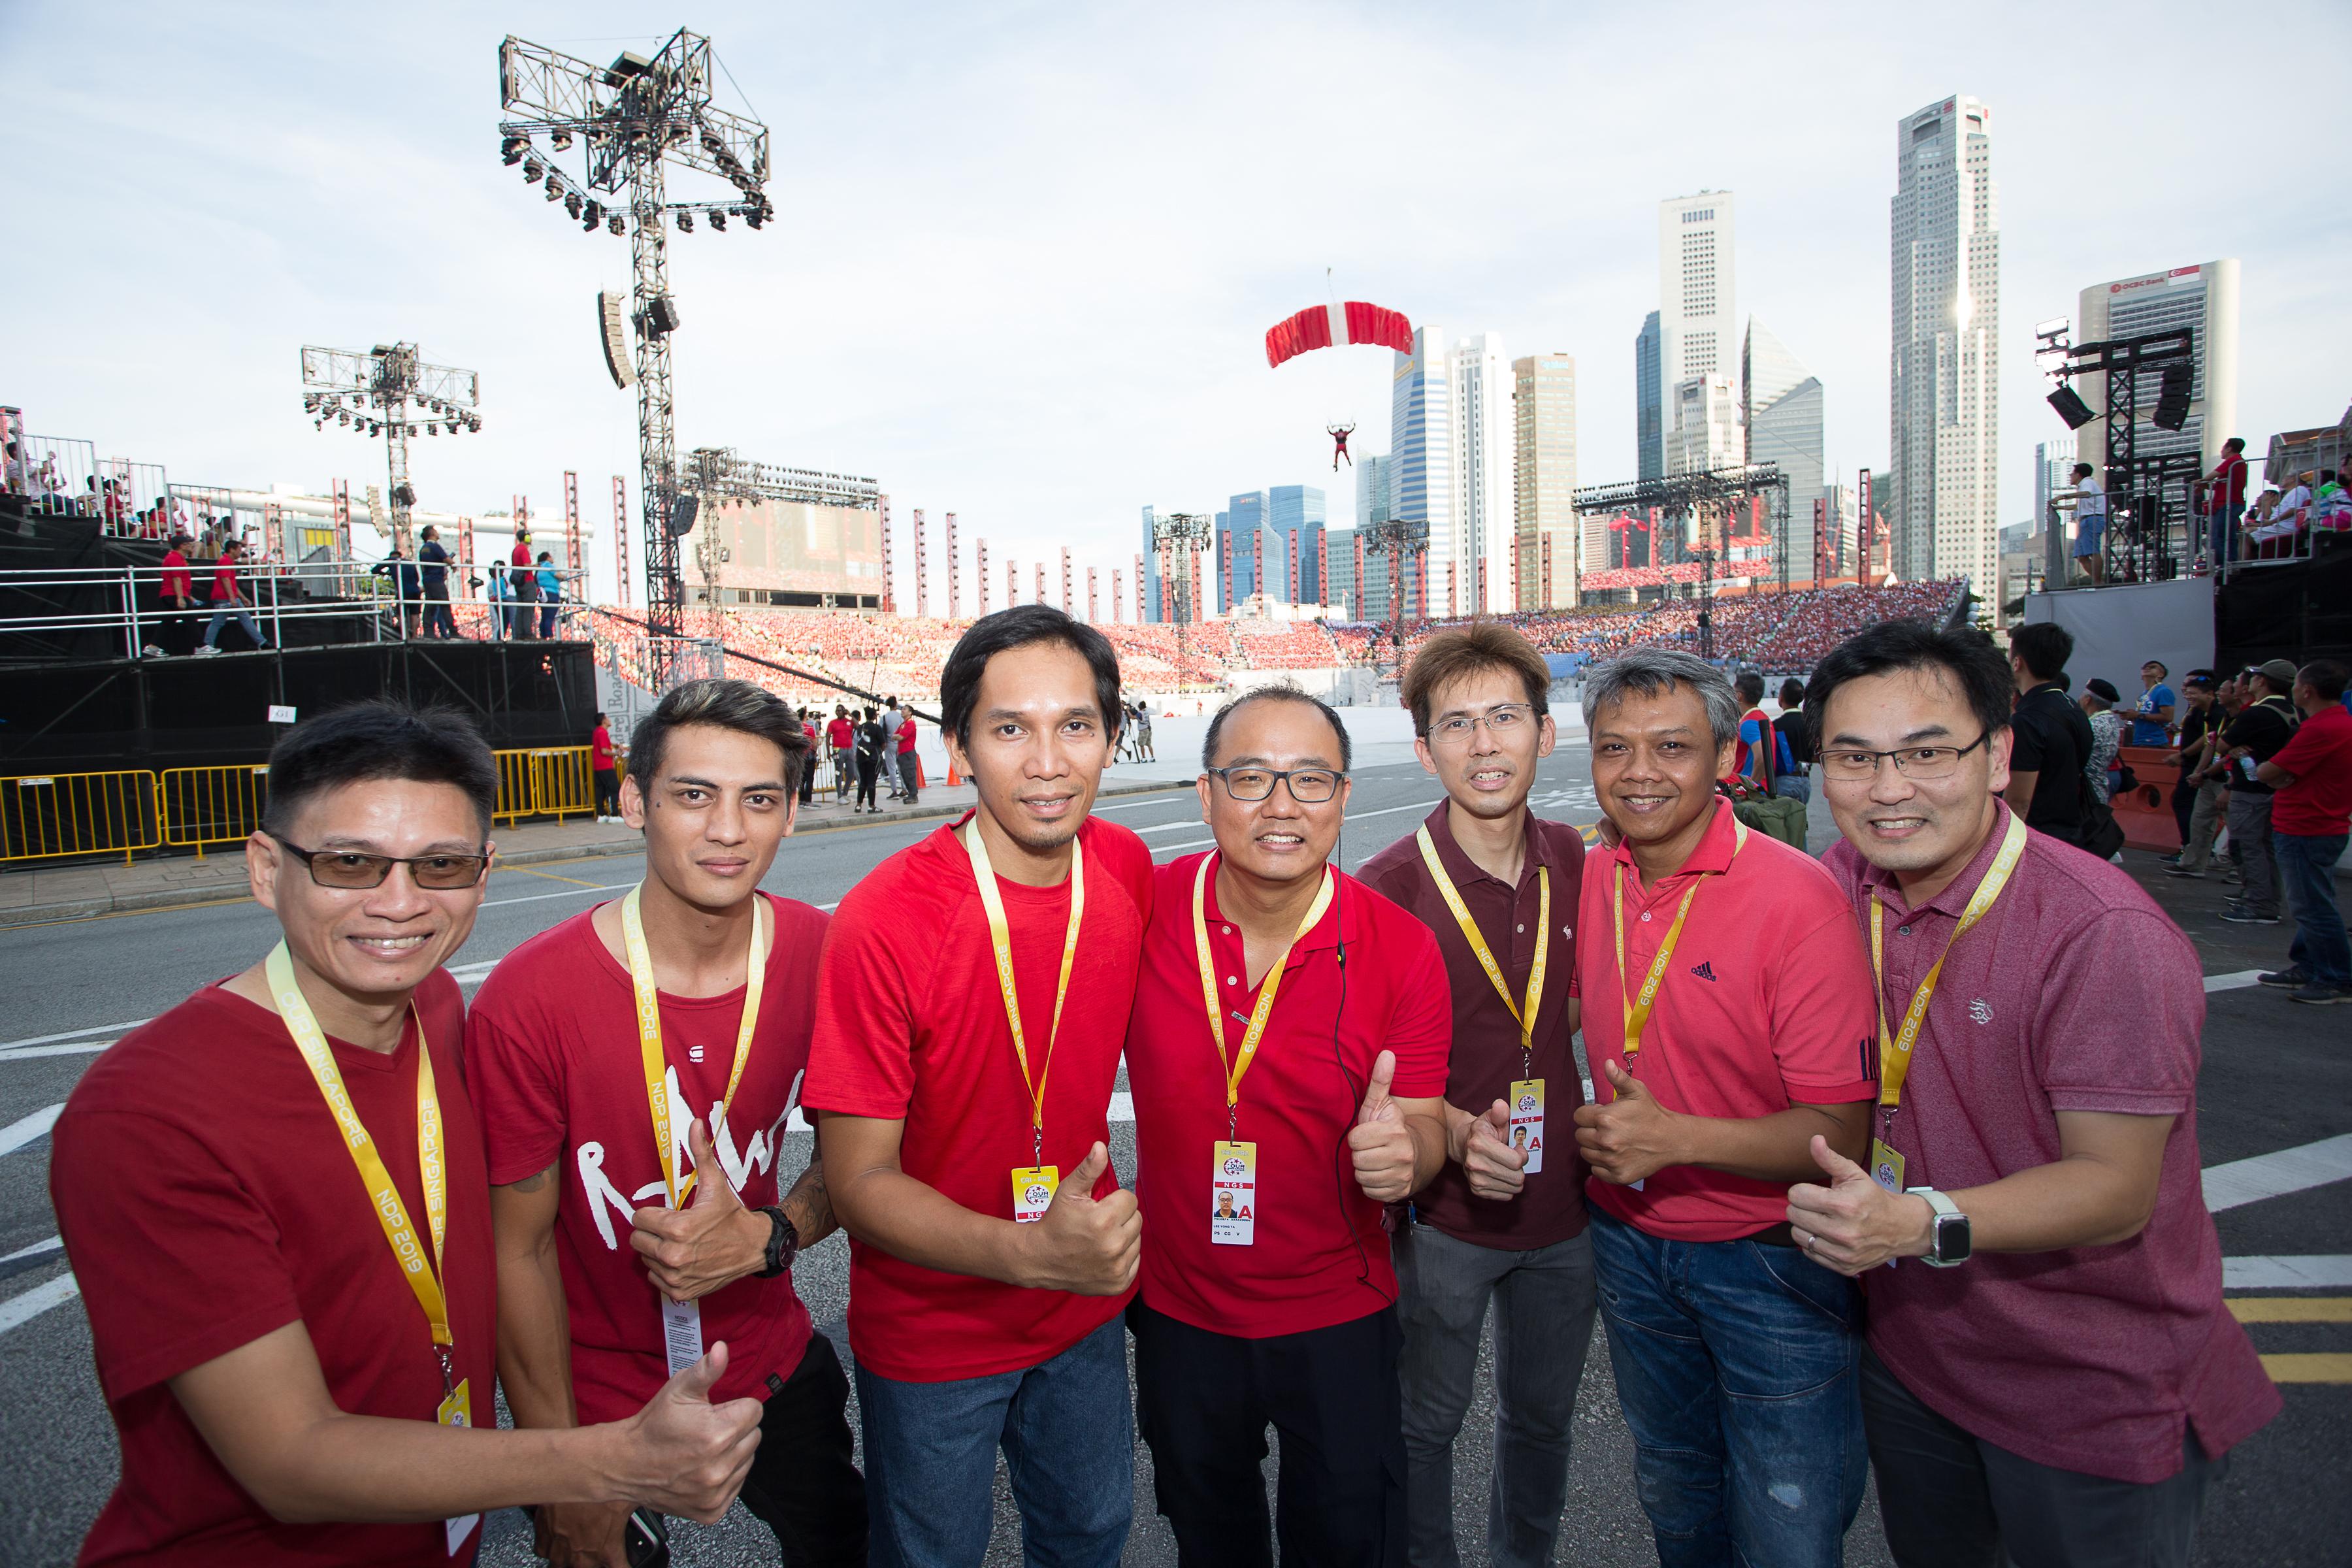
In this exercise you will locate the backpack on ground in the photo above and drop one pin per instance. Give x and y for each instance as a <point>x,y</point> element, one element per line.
<point>1780,816</point>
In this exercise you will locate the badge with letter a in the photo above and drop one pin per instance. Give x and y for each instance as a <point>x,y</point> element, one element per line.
<point>1527,1121</point>
<point>1032,1192</point>
<point>1233,1194</point>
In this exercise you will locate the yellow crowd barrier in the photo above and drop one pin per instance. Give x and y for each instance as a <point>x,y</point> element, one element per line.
<point>212,805</point>
<point>545,780</point>
<point>46,817</point>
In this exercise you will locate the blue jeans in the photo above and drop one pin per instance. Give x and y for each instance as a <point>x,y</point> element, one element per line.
<point>1737,1368</point>
<point>1067,1429</point>
<point>223,615</point>
<point>2307,867</point>
<point>2224,532</point>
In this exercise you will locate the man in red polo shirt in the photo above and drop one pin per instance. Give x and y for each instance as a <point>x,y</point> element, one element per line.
<point>2310,816</point>
<point>971,1002</point>
<point>1283,1096</point>
<point>2052,1375</point>
<point>176,600</point>
<point>1489,877</point>
<point>274,1201</point>
<point>1732,1025</point>
<point>626,1241</point>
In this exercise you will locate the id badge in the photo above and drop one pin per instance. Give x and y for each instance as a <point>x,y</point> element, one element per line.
<point>1032,1192</point>
<point>1885,1167</point>
<point>1527,1121</point>
<point>681,1333</point>
<point>1233,1194</point>
<point>457,1410</point>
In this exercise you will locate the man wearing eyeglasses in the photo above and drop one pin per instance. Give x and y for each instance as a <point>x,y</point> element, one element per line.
<point>1504,1222</point>
<point>275,1202</point>
<point>2051,1369</point>
<point>1287,1056</point>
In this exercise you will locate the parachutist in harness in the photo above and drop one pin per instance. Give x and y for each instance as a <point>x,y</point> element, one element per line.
<point>1339,434</point>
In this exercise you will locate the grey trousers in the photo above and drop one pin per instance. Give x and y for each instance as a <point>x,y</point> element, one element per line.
<point>2204,826</point>
<point>1543,1326</point>
<point>2250,837</point>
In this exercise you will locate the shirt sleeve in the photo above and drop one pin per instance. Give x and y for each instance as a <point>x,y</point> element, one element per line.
<point>1825,1013</point>
<point>2302,748</point>
<point>177,1262</point>
<point>517,1092</point>
<point>861,1055</point>
<point>2139,1060</point>
<point>1421,1021</point>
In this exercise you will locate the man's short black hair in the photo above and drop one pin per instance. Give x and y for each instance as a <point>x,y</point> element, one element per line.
<point>1750,686</point>
<point>1280,691</point>
<point>2234,444</point>
<point>723,704</point>
<point>1965,656</point>
<point>2327,677</point>
<point>2082,468</point>
<point>2162,671</point>
<point>2044,648</point>
<point>380,739</point>
<point>1019,626</point>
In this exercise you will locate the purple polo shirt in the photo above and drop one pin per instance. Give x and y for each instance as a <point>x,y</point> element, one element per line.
<point>1487,1059</point>
<point>2088,1358</point>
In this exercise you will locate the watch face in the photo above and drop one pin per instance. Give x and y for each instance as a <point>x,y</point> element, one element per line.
<point>1951,1237</point>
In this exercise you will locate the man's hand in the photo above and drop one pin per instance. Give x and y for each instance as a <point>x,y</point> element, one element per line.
<point>1380,1143</point>
<point>582,1535</point>
<point>1496,1169</point>
<point>684,1455</point>
<point>1631,1138</point>
<point>1084,1246</point>
<point>1854,1224</point>
<point>710,1243</point>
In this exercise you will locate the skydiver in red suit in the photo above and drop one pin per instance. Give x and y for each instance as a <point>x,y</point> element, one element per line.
<point>1339,434</point>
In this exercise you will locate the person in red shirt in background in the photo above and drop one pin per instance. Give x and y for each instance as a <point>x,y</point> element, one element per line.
<point>808,771</point>
<point>228,601</point>
<point>2311,814</point>
<point>176,601</point>
<point>2226,501</point>
<point>240,1182</point>
<point>1732,1024</point>
<point>841,742</point>
<point>608,771</point>
<point>971,1003</point>
<point>1269,1135</point>
<point>907,774</point>
<point>587,1306</point>
<point>2052,1375</point>
<point>523,588</point>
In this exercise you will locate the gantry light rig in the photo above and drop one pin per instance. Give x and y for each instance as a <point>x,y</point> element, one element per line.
<point>373,393</point>
<point>630,120</point>
<point>1398,539</point>
<point>718,474</point>
<point>1177,539</point>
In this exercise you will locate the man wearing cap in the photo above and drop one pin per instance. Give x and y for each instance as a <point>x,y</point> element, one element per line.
<point>2100,769</point>
<point>2254,738</point>
<point>2310,815</point>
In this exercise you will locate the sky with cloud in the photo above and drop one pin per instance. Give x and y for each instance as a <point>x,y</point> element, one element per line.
<point>1025,254</point>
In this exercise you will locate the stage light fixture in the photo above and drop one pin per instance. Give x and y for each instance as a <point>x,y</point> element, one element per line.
<point>2172,401</point>
<point>511,149</point>
<point>342,419</point>
<point>719,221</point>
<point>554,190</point>
<point>595,215</point>
<point>2071,408</point>
<point>533,170</point>
<point>571,203</point>
<point>685,222</point>
<point>754,218</point>
<point>561,140</point>
<point>411,430</point>
<point>616,224</point>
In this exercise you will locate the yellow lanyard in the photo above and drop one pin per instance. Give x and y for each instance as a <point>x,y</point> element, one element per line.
<point>1894,1053</point>
<point>1525,1017</point>
<point>649,1033</point>
<point>1000,934</point>
<point>1237,1066</point>
<point>1637,1010</point>
<point>383,1196</point>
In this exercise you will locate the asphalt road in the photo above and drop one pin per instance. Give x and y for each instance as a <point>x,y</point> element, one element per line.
<point>2276,1076</point>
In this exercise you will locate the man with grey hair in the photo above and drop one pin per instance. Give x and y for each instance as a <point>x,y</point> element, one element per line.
<point>1730,1019</point>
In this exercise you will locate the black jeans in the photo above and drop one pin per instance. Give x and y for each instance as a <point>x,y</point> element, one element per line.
<point>1203,1401</point>
<point>803,1484</point>
<point>608,792</point>
<point>867,768</point>
<point>1951,1501</point>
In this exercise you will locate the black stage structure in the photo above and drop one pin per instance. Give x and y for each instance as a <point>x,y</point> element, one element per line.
<point>1710,501</point>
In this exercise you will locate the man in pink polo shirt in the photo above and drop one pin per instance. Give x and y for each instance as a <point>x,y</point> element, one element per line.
<point>2050,1369</point>
<point>1729,1024</point>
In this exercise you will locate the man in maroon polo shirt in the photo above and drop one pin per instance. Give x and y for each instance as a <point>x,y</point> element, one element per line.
<point>2050,1371</point>
<point>1503,1221</point>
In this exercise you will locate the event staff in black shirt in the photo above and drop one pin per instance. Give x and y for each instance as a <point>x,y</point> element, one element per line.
<point>2053,738</point>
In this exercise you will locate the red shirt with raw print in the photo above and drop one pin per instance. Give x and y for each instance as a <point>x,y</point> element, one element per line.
<point>910,1025</point>
<point>552,1046</point>
<point>1318,1255</point>
<point>206,1199</point>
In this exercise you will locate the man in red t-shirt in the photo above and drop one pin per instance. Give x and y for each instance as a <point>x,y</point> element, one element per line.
<point>606,1260</point>
<point>1502,1224</point>
<point>1732,1024</point>
<point>841,742</point>
<point>907,774</point>
<point>2310,815</point>
<point>176,600</point>
<point>2051,1367</point>
<point>1280,1102</point>
<point>523,588</point>
<point>2226,501</point>
<point>274,1201</point>
<point>965,1121</point>
<point>608,771</point>
<point>228,601</point>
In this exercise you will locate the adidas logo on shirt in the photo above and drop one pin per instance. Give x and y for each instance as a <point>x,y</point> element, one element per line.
<point>1704,970</point>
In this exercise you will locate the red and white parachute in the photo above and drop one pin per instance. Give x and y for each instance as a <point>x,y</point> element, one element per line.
<point>1331,326</point>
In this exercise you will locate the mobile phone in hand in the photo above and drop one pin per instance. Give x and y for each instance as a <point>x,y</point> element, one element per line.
<point>646,1539</point>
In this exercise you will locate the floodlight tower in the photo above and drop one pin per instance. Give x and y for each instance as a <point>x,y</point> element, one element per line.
<point>635,118</point>
<point>1178,538</point>
<point>1398,539</point>
<point>372,393</point>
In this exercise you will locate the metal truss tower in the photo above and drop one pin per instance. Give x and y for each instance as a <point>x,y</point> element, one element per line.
<point>1399,539</point>
<point>1177,537</point>
<point>373,393</point>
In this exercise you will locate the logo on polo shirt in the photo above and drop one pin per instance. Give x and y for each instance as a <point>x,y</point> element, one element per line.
<point>694,1053</point>
<point>1981,1010</point>
<point>1704,970</point>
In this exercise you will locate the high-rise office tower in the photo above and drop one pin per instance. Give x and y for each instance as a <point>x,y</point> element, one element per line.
<point>1703,420</point>
<point>1544,483</point>
<point>1781,406</point>
<point>1297,512</point>
<point>2202,297</point>
<point>1944,421</point>
<point>2053,470</point>
<point>1340,584</point>
<point>1421,450</point>
<point>1374,499</point>
<point>1483,506</point>
<point>1147,576</point>
<point>1698,309</point>
<point>1260,555</point>
<point>1649,402</point>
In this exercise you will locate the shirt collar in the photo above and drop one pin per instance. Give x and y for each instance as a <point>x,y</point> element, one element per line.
<point>1954,900</point>
<point>1464,870</point>
<point>1716,847</point>
<point>1325,931</point>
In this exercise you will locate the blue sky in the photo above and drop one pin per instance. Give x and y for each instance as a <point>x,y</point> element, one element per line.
<point>1027,253</point>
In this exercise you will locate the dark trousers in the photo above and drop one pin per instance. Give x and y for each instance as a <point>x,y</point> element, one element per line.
<point>1204,1402</point>
<point>1951,1501</point>
<point>438,621</point>
<point>867,767</point>
<point>175,631</point>
<point>608,792</point>
<point>802,1483</point>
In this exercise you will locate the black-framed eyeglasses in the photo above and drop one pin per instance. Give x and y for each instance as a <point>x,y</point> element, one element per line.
<point>1308,786</point>
<point>1911,761</point>
<point>349,869</point>
<point>1502,721</point>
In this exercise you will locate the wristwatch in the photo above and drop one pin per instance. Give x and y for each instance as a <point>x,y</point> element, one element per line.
<point>784,1244</point>
<point>1947,1231</point>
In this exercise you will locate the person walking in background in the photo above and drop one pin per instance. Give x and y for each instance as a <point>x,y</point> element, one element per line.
<point>175,602</point>
<point>841,748</point>
<point>869,761</point>
<point>549,584</point>
<point>433,570</point>
<point>2254,738</point>
<point>229,600</point>
<point>2089,523</point>
<point>2311,814</point>
<point>1143,733</point>
<point>2196,820</point>
<point>608,771</point>
<point>2102,769</point>
<point>2226,502</point>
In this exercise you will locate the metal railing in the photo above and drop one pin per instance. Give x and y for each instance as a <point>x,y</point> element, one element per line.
<point>48,816</point>
<point>544,781</point>
<point>212,805</point>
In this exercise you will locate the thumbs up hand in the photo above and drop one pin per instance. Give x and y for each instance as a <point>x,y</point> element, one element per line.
<point>1495,1170</point>
<point>1628,1137</point>
<point>713,1242</point>
<point>681,1454</point>
<point>1090,1246</point>
<point>1854,1224</point>
<point>1380,1143</point>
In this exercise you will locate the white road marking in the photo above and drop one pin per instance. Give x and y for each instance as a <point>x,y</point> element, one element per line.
<point>2276,1174</point>
<point>2238,980</point>
<point>18,1310</point>
<point>87,1047</point>
<point>25,1128</point>
<point>2315,1271</point>
<point>52,1244</point>
<point>71,1034</point>
<point>1423,805</point>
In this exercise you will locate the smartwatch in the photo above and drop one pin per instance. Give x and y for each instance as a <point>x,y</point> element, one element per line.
<point>1948,1230</point>
<point>784,1244</point>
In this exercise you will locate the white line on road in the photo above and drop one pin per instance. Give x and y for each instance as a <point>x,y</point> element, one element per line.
<point>17,1310</point>
<point>25,1128</point>
<point>2234,982</point>
<point>52,1244</point>
<point>2276,1174</point>
<point>2316,1271</point>
<point>86,1047</point>
<point>1352,817</point>
<point>71,1034</point>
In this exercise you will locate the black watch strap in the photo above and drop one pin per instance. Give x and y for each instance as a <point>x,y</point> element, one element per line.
<point>784,1244</point>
